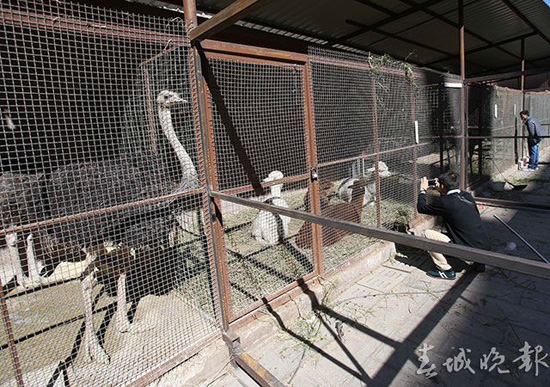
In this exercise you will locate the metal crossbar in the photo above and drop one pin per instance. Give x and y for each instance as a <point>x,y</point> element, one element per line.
<point>504,261</point>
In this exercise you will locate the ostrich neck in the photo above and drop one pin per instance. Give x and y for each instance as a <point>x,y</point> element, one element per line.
<point>276,191</point>
<point>187,165</point>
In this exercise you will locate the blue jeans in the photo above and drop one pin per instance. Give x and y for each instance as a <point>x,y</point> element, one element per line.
<point>533,156</point>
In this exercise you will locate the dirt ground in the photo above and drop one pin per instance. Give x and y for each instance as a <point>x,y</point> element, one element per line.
<point>396,326</point>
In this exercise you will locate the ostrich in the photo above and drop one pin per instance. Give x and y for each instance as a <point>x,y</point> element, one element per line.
<point>350,212</point>
<point>82,187</point>
<point>345,189</point>
<point>325,187</point>
<point>20,203</point>
<point>269,228</point>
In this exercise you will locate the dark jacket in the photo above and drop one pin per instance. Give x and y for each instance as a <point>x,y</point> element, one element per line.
<point>460,217</point>
<point>535,130</point>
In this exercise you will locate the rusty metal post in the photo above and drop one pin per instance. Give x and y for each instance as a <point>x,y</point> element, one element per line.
<point>463,133</point>
<point>11,338</point>
<point>415,148</point>
<point>213,229</point>
<point>440,112</point>
<point>480,141</point>
<point>313,185</point>
<point>522,87</point>
<point>376,145</point>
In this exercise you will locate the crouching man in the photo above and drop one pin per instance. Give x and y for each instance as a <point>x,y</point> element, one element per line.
<point>460,218</point>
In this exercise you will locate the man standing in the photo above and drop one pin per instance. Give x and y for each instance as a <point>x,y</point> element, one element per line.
<point>460,217</point>
<point>534,137</point>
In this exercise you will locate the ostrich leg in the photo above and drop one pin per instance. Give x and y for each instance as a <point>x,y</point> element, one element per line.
<point>34,269</point>
<point>92,348</point>
<point>123,324</point>
<point>21,278</point>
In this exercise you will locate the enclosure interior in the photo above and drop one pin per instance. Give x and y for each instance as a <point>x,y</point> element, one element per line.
<point>103,152</point>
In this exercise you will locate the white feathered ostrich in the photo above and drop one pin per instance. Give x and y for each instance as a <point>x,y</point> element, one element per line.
<point>20,197</point>
<point>345,189</point>
<point>82,187</point>
<point>269,228</point>
<point>20,203</point>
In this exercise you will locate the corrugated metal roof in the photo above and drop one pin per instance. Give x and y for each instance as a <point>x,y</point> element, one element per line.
<point>490,20</point>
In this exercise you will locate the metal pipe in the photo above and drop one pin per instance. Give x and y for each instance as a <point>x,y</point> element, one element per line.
<point>463,134</point>
<point>520,265</point>
<point>256,371</point>
<point>513,204</point>
<point>11,338</point>
<point>201,113</point>
<point>102,211</point>
<point>314,189</point>
<point>521,238</point>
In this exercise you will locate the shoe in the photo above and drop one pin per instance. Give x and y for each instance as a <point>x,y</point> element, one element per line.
<point>478,267</point>
<point>447,274</point>
<point>528,169</point>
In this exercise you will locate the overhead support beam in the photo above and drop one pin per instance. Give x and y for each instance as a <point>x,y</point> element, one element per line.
<point>483,48</point>
<point>511,67</point>
<point>526,20</point>
<point>383,22</point>
<point>456,25</point>
<point>403,39</point>
<point>377,7</point>
<point>397,37</point>
<point>504,76</point>
<point>225,18</point>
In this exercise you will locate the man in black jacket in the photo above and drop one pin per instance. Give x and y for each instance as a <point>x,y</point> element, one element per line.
<point>534,130</point>
<point>460,218</point>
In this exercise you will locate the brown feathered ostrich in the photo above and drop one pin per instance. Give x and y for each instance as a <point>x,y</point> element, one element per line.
<point>350,212</point>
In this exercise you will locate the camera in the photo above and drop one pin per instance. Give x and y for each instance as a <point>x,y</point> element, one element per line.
<point>432,182</point>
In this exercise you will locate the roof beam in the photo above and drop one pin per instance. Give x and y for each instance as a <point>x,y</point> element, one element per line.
<point>377,7</point>
<point>473,51</point>
<point>507,67</point>
<point>383,22</point>
<point>452,23</point>
<point>525,20</point>
<point>397,37</point>
<point>225,18</point>
<point>504,76</point>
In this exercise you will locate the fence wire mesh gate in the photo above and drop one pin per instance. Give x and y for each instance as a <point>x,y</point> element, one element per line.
<point>101,183</point>
<point>109,248</point>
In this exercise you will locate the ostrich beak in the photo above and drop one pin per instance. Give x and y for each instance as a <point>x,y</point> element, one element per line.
<point>177,100</point>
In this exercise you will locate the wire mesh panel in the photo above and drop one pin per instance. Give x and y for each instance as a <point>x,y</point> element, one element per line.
<point>538,104</point>
<point>100,148</point>
<point>263,254</point>
<point>494,125</point>
<point>365,135</point>
<point>258,129</point>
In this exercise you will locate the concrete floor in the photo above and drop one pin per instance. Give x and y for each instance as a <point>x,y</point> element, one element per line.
<point>372,333</point>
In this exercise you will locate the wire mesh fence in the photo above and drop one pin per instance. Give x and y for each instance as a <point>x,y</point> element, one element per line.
<point>105,254</point>
<point>373,115</point>
<point>257,111</point>
<point>538,104</point>
<point>107,236</point>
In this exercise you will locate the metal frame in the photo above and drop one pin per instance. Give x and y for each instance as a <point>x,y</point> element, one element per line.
<point>521,265</point>
<point>225,18</point>
<point>212,196</point>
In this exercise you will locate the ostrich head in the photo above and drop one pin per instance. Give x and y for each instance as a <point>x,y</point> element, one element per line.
<point>167,99</point>
<point>275,189</point>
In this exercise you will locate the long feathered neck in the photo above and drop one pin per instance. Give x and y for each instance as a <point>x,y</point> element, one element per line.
<point>188,168</point>
<point>276,190</point>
